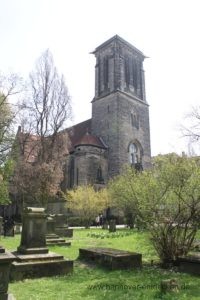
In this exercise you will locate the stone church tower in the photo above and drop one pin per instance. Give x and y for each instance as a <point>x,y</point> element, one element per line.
<point>120,113</point>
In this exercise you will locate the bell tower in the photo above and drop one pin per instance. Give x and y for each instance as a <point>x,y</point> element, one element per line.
<point>119,67</point>
<point>120,113</point>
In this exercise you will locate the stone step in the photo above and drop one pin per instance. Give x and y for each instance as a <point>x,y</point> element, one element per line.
<point>36,269</point>
<point>52,236</point>
<point>55,240</point>
<point>58,243</point>
<point>36,257</point>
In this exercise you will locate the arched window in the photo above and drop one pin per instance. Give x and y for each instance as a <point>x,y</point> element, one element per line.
<point>99,175</point>
<point>134,153</point>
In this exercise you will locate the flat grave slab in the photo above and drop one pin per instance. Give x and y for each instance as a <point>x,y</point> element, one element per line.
<point>39,265</point>
<point>189,264</point>
<point>113,259</point>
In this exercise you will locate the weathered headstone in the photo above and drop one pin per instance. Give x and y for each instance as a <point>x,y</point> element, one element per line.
<point>50,232</point>
<point>1,225</point>
<point>18,228</point>
<point>51,237</point>
<point>112,226</point>
<point>33,258</point>
<point>6,259</point>
<point>105,225</point>
<point>113,259</point>
<point>59,220</point>
<point>61,228</point>
<point>33,238</point>
<point>8,227</point>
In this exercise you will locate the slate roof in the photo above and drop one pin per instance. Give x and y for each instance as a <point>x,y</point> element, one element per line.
<point>79,134</point>
<point>90,140</point>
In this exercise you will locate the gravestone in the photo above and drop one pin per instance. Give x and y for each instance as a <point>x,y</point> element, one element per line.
<point>6,259</point>
<point>59,220</point>
<point>8,226</point>
<point>50,232</point>
<point>33,258</point>
<point>52,238</point>
<point>33,238</point>
<point>112,226</point>
<point>18,228</point>
<point>112,258</point>
<point>1,225</point>
<point>105,225</point>
<point>61,228</point>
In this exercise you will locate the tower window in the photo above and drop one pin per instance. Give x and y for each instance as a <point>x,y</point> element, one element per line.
<point>133,154</point>
<point>105,68</point>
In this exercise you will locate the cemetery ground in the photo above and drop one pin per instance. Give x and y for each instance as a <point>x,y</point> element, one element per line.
<point>92,282</point>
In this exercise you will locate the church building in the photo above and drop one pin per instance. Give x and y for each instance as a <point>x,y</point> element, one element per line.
<point>118,132</point>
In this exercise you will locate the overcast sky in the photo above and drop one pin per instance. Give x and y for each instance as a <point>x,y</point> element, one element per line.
<point>167,31</point>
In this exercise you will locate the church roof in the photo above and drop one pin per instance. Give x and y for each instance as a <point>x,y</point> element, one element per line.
<point>90,140</point>
<point>76,132</point>
<point>79,135</point>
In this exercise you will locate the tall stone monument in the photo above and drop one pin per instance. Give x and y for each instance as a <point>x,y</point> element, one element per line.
<point>33,238</point>
<point>33,258</point>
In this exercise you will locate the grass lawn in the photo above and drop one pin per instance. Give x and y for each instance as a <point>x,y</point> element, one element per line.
<point>95,283</point>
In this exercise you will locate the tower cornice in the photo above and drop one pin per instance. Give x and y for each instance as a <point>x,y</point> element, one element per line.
<point>119,39</point>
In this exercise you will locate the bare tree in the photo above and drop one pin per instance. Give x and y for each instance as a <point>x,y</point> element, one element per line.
<point>10,87</point>
<point>43,144</point>
<point>191,130</point>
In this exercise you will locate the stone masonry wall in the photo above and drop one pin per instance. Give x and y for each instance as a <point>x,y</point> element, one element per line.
<point>87,161</point>
<point>115,127</point>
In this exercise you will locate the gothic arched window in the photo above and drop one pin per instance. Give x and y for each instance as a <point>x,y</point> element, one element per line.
<point>99,175</point>
<point>133,153</point>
